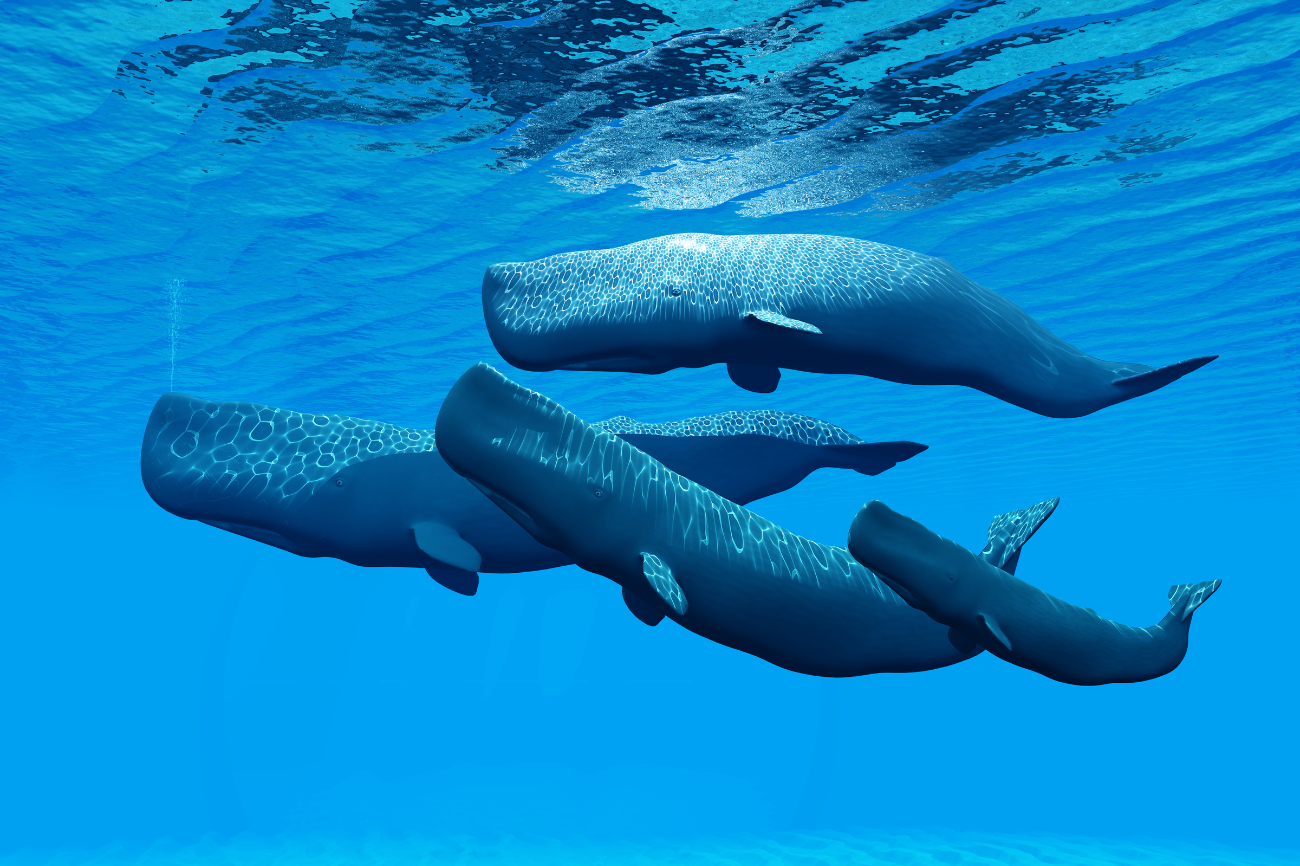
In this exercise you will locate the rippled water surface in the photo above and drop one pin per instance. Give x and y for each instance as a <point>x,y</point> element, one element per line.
<point>293,204</point>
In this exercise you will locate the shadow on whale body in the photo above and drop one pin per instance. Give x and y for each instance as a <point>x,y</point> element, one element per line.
<point>376,494</point>
<point>1012,619</point>
<point>816,303</point>
<point>680,550</point>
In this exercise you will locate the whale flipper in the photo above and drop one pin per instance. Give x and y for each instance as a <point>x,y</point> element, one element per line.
<point>962,642</point>
<point>1151,380</point>
<point>442,543</point>
<point>463,582</point>
<point>1009,532</point>
<point>782,321</point>
<point>1190,596</point>
<point>992,625</point>
<point>755,377</point>
<point>661,580</point>
<point>642,609</point>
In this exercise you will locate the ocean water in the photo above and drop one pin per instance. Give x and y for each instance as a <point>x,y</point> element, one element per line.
<point>293,203</point>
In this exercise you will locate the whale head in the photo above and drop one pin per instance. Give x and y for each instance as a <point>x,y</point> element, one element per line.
<point>929,572</point>
<point>556,475</point>
<point>646,307</point>
<point>249,468</point>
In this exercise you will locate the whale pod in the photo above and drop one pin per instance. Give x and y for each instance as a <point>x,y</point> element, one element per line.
<point>375,494</point>
<point>678,549</point>
<point>1010,618</point>
<point>821,304</point>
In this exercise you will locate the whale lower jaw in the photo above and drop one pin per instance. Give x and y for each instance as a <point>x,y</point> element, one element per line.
<point>618,365</point>
<point>258,533</point>
<point>898,588</point>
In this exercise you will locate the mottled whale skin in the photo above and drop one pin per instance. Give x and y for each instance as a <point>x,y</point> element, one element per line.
<point>376,494</point>
<point>678,549</point>
<point>804,302</point>
<point>1012,619</point>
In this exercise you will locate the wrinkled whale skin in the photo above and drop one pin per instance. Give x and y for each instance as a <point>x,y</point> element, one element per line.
<point>1013,619</point>
<point>815,303</point>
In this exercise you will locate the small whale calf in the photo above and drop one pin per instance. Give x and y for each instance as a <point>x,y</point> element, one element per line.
<point>376,494</point>
<point>682,551</point>
<point>804,302</point>
<point>1012,619</point>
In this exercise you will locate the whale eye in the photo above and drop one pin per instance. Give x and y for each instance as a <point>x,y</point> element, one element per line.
<point>597,493</point>
<point>338,482</point>
<point>674,290</point>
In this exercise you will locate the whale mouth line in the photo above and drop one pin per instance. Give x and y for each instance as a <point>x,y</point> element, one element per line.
<point>625,364</point>
<point>250,530</point>
<point>897,587</point>
<point>520,516</point>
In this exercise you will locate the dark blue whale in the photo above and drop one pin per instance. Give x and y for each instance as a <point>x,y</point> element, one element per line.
<point>375,494</point>
<point>682,551</point>
<point>1012,619</point>
<point>805,302</point>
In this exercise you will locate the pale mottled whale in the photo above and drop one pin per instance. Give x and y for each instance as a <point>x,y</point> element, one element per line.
<point>376,494</point>
<point>1012,619</point>
<point>680,550</point>
<point>805,302</point>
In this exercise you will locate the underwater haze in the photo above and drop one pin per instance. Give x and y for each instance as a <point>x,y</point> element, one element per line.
<point>294,204</point>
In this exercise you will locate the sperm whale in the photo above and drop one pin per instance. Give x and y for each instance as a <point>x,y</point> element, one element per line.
<point>1015,620</point>
<point>803,302</point>
<point>682,551</point>
<point>375,494</point>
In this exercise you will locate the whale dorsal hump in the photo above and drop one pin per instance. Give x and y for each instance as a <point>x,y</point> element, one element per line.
<point>661,580</point>
<point>782,321</point>
<point>996,630</point>
<point>755,377</point>
<point>444,544</point>
<point>464,582</point>
<point>642,609</point>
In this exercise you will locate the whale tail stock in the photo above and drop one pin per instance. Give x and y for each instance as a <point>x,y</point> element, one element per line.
<point>1184,598</point>
<point>1146,381</point>
<point>1009,532</point>
<point>872,458</point>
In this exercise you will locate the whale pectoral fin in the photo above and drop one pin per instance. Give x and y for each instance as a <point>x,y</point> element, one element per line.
<point>463,582</point>
<point>962,643</point>
<point>755,377</point>
<point>782,321</point>
<point>444,544</point>
<point>642,609</point>
<point>661,580</point>
<point>992,625</point>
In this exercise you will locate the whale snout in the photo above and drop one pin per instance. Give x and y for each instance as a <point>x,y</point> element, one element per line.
<point>878,538</point>
<point>913,561</point>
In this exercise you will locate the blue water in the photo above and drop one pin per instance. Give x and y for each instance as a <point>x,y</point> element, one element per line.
<point>294,203</point>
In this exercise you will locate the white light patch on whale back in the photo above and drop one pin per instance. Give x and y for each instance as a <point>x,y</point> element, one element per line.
<point>226,448</point>
<point>765,422</point>
<point>703,277</point>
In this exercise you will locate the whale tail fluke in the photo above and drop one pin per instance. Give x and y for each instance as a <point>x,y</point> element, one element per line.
<point>872,458</point>
<point>1137,384</point>
<point>1187,597</point>
<point>1009,532</point>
